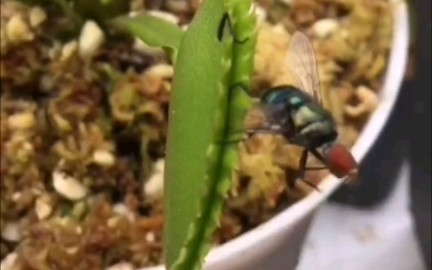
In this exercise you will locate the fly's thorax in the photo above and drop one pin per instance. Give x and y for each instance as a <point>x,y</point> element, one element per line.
<point>302,120</point>
<point>281,102</point>
<point>304,115</point>
<point>311,113</point>
<point>314,126</point>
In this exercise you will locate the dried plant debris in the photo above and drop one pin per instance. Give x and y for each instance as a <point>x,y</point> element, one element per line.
<point>84,123</point>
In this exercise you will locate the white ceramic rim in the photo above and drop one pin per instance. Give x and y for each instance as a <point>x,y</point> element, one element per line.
<point>388,97</point>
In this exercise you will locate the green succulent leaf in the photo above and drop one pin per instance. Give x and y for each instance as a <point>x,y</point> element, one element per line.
<point>206,109</point>
<point>154,31</point>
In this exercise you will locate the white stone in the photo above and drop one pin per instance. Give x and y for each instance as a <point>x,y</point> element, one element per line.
<point>161,70</point>
<point>261,14</point>
<point>103,158</point>
<point>11,231</point>
<point>37,16</point>
<point>18,30</point>
<point>154,186</point>
<point>43,208</point>
<point>121,266</point>
<point>325,27</point>
<point>68,49</point>
<point>20,121</point>
<point>122,209</point>
<point>91,39</point>
<point>10,262</point>
<point>68,187</point>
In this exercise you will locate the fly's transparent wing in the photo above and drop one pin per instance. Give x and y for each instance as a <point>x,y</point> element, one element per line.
<point>302,63</point>
<point>257,118</point>
<point>264,119</point>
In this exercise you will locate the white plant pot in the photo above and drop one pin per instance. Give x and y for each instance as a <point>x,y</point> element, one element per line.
<point>276,244</point>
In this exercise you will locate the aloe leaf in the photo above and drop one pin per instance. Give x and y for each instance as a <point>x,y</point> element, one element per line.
<point>205,111</point>
<point>197,74</point>
<point>154,31</point>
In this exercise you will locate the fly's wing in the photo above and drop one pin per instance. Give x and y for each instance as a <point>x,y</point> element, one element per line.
<point>256,118</point>
<point>263,118</point>
<point>302,63</point>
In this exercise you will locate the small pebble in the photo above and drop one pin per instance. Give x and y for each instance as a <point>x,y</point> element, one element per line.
<point>261,14</point>
<point>16,196</point>
<point>18,30</point>
<point>113,221</point>
<point>11,231</point>
<point>68,50</point>
<point>161,70</point>
<point>103,158</point>
<point>37,16</point>
<point>72,250</point>
<point>43,208</point>
<point>91,39</point>
<point>122,209</point>
<point>121,266</point>
<point>150,237</point>
<point>153,187</point>
<point>21,121</point>
<point>10,262</point>
<point>325,27</point>
<point>68,187</point>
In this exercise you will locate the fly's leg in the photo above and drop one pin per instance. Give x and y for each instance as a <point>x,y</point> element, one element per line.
<point>310,184</point>
<point>318,156</point>
<point>316,168</point>
<point>302,170</point>
<point>302,165</point>
<point>226,20</point>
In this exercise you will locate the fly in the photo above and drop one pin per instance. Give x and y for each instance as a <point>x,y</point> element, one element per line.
<point>296,111</point>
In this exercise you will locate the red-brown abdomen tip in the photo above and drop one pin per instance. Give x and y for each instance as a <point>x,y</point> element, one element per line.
<point>341,162</point>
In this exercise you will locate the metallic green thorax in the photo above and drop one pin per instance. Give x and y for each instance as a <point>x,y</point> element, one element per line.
<point>300,118</point>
